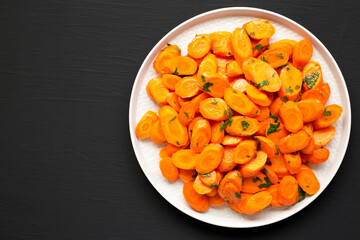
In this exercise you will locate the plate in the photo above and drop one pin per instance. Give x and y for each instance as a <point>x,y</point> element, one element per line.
<point>227,19</point>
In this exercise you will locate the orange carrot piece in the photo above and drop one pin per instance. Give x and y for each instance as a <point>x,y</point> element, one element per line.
<point>187,175</point>
<point>187,87</point>
<point>318,156</point>
<point>221,43</point>
<point>198,99</point>
<point>198,202</point>
<point>191,125</point>
<point>291,82</point>
<point>200,187</point>
<point>211,179</point>
<point>275,57</point>
<point>233,69</point>
<point>302,53</point>
<point>230,187</point>
<point>201,135</point>
<point>227,161</point>
<point>245,151</point>
<point>169,81</point>
<point>241,45</point>
<point>214,109</point>
<point>257,202</point>
<point>310,148</point>
<point>323,136</point>
<point>180,65</point>
<point>164,55</point>
<point>288,191</point>
<point>199,46</point>
<point>217,136</point>
<point>285,44</point>
<point>268,146</point>
<point>257,183</point>
<point>239,84</point>
<point>182,101</point>
<point>158,91</point>
<point>231,140</point>
<point>208,65</point>
<point>240,207</point>
<point>168,169</point>
<point>173,101</point>
<point>294,142</point>
<point>213,192</point>
<point>271,174</point>
<point>275,106</point>
<point>264,114</point>
<point>308,180</point>
<point>239,102</point>
<point>264,125</point>
<point>312,76</point>
<point>261,46</point>
<point>252,167</point>
<point>292,116</point>
<point>242,126</point>
<point>168,151</point>
<point>187,113</point>
<point>325,92</point>
<point>143,128</point>
<point>278,165</point>
<point>257,96</point>
<point>311,109</point>
<point>275,132</point>
<point>174,132</point>
<point>259,29</point>
<point>274,191</point>
<point>329,116</point>
<point>210,158</point>
<point>185,159</point>
<point>216,201</point>
<point>156,133</point>
<point>292,162</point>
<point>213,84</point>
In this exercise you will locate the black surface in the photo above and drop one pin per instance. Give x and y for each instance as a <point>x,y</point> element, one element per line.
<point>67,167</point>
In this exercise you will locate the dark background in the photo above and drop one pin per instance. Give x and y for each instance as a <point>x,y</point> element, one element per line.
<point>67,167</point>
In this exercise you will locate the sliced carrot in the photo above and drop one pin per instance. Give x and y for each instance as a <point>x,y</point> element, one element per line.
<point>257,183</point>
<point>291,82</point>
<point>292,116</point>
<point>200,187</point>
<point>169,81</point>
<point>285,44</point>
<point>288,191</point>
<point>221,43</point>
<point>325,92</point>
<point>222,65</point>
<point>263,115</point>
<point>310,148</point>
<point>213,192</point>
<point>311,109</point>
<point>201,135</point>
<point>239,102</point>
<point>292,162</point>
<point>318,156</point>
<point>275,57</point>
<point>323,136</point>
<point>168,169</point>
<point>259,29</point>
<point>180,65</point>
<point>275,106</point>
<point>252,167</point>
<point>241,45</point>
<point>278,165</point>
<point>302,53</point>
<point>231,140</point>
<point>240,207</point>
<point>312,76</point>
<point>198,202</point>
<point>182,101</point>
<point>261,46</point>
<point>257,202</point>
<point>329,116</point>
<point>274,191</point>
<point>174,132</point>
<point>233,69</point>
<point>227,162</point>
<point>216,201</point>
<point>208,65</point>
<point>264,125</point>
<point>213,84</point>
<point>158,91</point>
<point>210,158</point>
<point>275,132</point>
<point>185,159</point>
<point>198,99</point>
<point>242,126</point>
<point>214,109</point>
<point>308,180</point>
<point>239,85</point>
<point>187,113</point>
<point>156,133</point>
<point>271,174</point>
<point>294,142</point>
<point>172,99</point>
<point>173,49</point>
<point>199,46</point>
<point>187,87</point>
<point>245,151</point>
<point>217,136</point>
<point>187,175</point>
<point>143,128</point>
<point>168,151</point>
<point>261,74</point>
<point>257,96</point>
<point>191,125</point>
<point>230,187</point>
<point>164,56</point>
<point>268,146</point>
<point>211,179</point>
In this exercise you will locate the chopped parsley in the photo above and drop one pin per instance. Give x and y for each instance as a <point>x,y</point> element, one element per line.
<point>256,179</point>
<point>258,145</point>
<point>263,59</point>
<point>273,128</point>
<point>289,89</point>
<point>285,98</point>
<point>283,66</point>
<point>205,174</point>
<point>310,80</point>
<point>265,171</point>
<point>280,55</point>
<point>265,185</point>
<point>244,125</point>
<point>172,119</point>
<point>326,113</point>
<point>301,194</point>
<point>175,72</point>
<point>203,78</point>
<point>229,53</point>
<point>186,114</point>
<point>274,117</point>
<point>168,44</point>
<point>297,87</point>
<point>237,195</point>
<point>206,86</point>
<point>215,101</point>
<point>277,151</point>
<point>177,142</point>
<point>226,199</point>
<point>248,156</point>
<point>190,132</point>
<point>228,122</point>
<point>258,47</point>
<point>214,185</point>
<point>177,49</point>
<point>263,83</point>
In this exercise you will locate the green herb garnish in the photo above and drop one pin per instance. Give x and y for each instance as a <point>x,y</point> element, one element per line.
<point>258,47</point>
<point>175,72</point>
<point>310,80</point>
<point>215,101</point>
<point>203,78</point>
<point>273,128</point>
<point>265,185</point>
<point>214,185</point>
<point>301,194</point>
<point>289,89</point>
<point>186,114</point>
<point>280,55</point>
<point>326,113</point>
<point>263,59</point>
<point>244,125</point>
<point>206,86</point>
<point>263,83</point>
<point>205,174</point>
<point>237,195</point>
<point>172,119</point>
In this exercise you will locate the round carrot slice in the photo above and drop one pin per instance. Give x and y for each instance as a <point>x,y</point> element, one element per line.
<point>210,158</point>
<point>329,116</point>
<point>259,29</point>
<point>288,191</point>
<point>308,180</point>
<point>252,167</point>
<point>323,136</point>
<point>187,87</point>
<point>292,116</point>
<point>199,46</point>
<point>230,187</point>
<point>168,169</point>
<point>214,109</point>
<point>311,109</point>
<point>242,126</point>
<point>185,159</point>
<point>201,135</point>
<point>145,124</point>
<point>245,151</point>
<point>198,202</point>
<point>302,53</point>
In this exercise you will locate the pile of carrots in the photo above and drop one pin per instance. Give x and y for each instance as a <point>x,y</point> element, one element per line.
<point>242,118</point>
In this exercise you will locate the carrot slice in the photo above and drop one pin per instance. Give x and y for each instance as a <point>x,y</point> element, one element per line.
<point>214,109</point>
<point>275,57</point>
<point>275,106</point>
<point>156,133</point>
<point>187,87</point>
<point>308,180</point>
<point>233,69</point>
<point>257,183</point>
<point>318,156</point>
<point>288,191</point>
<point>241,45</point>
<point>198,99</point>
<point>264,125</point>
<point>257,96</point>
<point>168,151</point>
<point>293,162</point>
<point>245,151</point>
<point>174,132</point>
<point>257,202</point>
<point>199,46</point>
<point>291,82</point>
<point>221,43</point>
<point>185,159</point>
<point>329,116</point>
<point>201,135</point>
<point>158,91</point>
<point>172,99</point>
<point>278,165</point>
<point>242,126</point>
<point>182,101</point>
<point>231,140</point>
<point>211,179</point>
<point>310,148</point>
<point>213,84</point>
<point>187,175</point>
<point>264,114</point>
<point>261,46</point>
<point>187,113</point>
<point>180,65</point>
<point>261,74</point>
<point>213,192</point>
<point>325,92</point>
<point>292,116</point>
<point>275,132</point>
<point>239,85</point>
<point>191,125</point>
<point>145,124</point>
<point>294,142</point>
<point>323,136</point>
<point>169,81</point>
<point>210,158</point>
<point>168,169</point>
<point>240,207</point>
<point>208,65</point>
<point>268,146</point>
<point>217,135</point>
<point>259,29</point>
<point>200,187</point>
<point>239,102</point>
<point>216,201</point>
<point>159,63</point>
<point>230,187</point>
<point>311,109</point>
<point>252,167</point>
<point>271,174</point>
<point>274,192</point>
<point>285,44</point>
<point>312,76</point>
<point>198,202</point>
<point>302,53</point>
<point>227,161</point>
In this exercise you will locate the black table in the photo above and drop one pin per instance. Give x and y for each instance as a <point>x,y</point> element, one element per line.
<point>67,167</point>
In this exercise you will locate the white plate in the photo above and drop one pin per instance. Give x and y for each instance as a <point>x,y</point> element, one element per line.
<point>227,19</point>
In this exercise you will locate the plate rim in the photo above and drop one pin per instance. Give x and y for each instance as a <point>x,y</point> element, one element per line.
<point>199,17</point>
